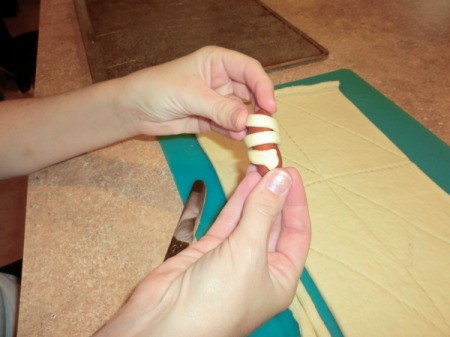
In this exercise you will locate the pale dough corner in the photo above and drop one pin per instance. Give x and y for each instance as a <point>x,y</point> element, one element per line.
<point>381,236</point>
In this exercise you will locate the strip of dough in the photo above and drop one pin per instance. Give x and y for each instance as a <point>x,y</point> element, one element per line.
<point>264,137</point>
<point>268,158</point>
<point>262,121</point>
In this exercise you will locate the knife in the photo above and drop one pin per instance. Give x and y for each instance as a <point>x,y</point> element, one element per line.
<point>184,233</point>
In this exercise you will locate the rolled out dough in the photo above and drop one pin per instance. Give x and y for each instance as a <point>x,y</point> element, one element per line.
<point>380,251</point>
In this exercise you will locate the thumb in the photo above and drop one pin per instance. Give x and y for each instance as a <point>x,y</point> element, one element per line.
<point>262,208</point>
<point>228,112</point>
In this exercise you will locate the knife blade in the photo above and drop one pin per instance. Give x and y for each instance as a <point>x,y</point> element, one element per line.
<point>184,233</point>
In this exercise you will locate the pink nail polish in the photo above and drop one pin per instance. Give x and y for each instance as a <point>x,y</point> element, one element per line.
<point>278,181</point>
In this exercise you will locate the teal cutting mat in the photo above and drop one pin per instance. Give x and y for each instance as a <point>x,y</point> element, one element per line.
<point>188,163</point>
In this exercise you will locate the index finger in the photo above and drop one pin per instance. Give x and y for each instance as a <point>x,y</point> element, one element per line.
<point>248,71</point>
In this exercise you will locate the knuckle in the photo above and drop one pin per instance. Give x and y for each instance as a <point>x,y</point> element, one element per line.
<point>266,205</point>
<point>217,108</point>
<point>220,108</point>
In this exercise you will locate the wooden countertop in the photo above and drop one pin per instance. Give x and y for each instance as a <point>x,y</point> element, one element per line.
<point>97,224</point>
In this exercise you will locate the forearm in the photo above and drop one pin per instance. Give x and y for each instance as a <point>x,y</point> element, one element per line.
<point>188,95</point>
<point>35,133</point>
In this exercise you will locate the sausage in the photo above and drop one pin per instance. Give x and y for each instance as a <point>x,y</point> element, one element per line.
<point>268,139</point>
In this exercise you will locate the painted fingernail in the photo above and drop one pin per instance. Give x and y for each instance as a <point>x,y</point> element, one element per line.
<point>278,182</point>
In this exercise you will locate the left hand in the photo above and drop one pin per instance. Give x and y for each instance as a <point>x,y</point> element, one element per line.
<point>199,92</point>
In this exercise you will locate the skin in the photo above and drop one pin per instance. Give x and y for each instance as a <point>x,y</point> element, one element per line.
<point>246,268</point>
<point>200,292</point>
<point>198,92</point>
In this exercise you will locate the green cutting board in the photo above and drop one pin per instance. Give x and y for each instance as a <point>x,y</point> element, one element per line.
<point>188,163</point>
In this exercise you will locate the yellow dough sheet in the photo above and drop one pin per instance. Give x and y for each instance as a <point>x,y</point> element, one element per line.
<point>380,251</point>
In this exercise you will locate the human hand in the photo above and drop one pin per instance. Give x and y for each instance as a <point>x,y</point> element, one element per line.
<point>242,272</point>
<point>201,91</point>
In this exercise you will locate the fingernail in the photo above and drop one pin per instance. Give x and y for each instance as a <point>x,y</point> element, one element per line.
<point>278,182</point>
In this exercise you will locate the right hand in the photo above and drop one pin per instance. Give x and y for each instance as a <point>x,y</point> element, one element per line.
<point>242,272</point>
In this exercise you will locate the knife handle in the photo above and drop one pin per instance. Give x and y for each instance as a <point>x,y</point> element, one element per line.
<point>175,247</point>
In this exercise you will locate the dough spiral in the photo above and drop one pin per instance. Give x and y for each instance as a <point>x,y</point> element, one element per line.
<point>262,141</point>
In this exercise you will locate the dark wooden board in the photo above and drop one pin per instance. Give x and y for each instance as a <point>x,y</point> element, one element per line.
<point>126,35</point>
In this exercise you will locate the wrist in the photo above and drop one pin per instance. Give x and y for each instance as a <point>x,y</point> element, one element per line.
<point>118,96</point>
<point>131,92</point>
<point>140,317</point>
